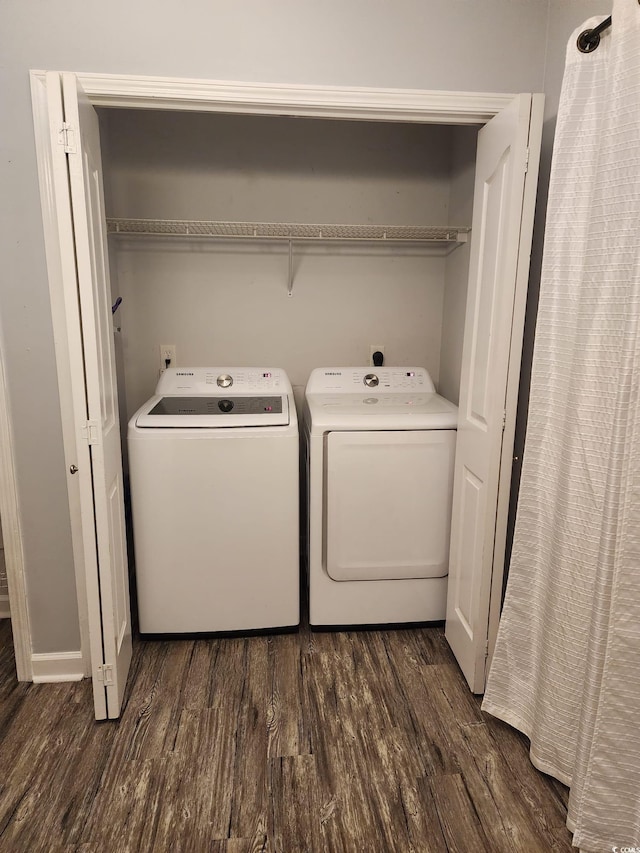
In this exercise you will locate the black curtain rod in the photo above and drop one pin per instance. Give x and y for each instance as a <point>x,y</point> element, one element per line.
<point>588,40</point>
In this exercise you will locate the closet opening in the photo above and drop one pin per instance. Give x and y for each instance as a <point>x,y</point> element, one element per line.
<point>214,299</point>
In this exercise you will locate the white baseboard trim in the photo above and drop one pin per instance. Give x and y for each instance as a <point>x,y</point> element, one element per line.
<point>57,666</point>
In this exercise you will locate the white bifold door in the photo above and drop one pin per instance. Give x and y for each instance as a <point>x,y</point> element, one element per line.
<point>77,173</point>
<point>502,225</point>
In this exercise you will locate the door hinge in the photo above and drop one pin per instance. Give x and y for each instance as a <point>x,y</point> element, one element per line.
<point>526,161</point>
<point>90,432</point>
<point>504,419</point>
<point>67,138</point>
<point>105,674</point>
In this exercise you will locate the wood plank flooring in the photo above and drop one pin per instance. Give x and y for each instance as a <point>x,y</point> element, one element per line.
<point>308,742</point>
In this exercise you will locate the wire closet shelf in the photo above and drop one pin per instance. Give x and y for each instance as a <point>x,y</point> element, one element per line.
<point>443,237</point>
<point>288,231</point>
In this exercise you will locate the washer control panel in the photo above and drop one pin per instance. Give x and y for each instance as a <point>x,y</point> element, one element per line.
<point>354,380</point>
<point>188,381</point>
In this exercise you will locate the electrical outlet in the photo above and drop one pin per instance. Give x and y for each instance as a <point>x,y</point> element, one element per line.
<point>167,356</point>
<point>372,349</point>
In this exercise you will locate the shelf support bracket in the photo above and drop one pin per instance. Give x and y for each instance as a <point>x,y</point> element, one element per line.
<point>290,284</point>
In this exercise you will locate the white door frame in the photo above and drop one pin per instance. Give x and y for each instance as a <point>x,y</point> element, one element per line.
<point>135,92</point>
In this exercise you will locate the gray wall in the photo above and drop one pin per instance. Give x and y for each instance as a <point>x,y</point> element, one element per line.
<point>474,45</point>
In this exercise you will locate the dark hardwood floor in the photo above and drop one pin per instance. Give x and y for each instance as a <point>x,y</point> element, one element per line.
<point>319,742</point>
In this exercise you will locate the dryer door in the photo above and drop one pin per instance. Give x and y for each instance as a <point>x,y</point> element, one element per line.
<point>388,504</point>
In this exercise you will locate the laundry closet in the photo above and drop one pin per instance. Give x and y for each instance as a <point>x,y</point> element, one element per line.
<point>344,273</point>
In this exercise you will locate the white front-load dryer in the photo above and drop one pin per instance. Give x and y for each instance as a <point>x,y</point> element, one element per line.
<point>379,448</point>
<point>214,471</point>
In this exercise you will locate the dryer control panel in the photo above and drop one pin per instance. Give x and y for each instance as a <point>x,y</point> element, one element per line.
<point>193,381</point>
<point>353,380</point>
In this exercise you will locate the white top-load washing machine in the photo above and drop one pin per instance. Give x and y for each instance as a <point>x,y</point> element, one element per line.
<point>214,470</point>
<point>379,446</point>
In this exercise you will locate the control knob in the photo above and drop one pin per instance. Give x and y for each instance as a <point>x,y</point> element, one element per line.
<point>371,380</point>
<point>224,380</point>
<point>225,405</point>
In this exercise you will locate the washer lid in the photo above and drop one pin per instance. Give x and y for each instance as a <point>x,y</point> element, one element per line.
<point>214,412</point>
<point>381,411</point>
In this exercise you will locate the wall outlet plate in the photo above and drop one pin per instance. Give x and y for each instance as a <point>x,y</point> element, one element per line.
<point>167,356</point>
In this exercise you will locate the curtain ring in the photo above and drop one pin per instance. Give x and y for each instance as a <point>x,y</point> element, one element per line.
<point>588,41</point>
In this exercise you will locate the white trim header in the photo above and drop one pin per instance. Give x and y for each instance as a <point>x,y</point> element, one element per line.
<point>359,103</point>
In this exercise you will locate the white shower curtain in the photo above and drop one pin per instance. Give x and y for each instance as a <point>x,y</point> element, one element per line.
<point>566,668</point>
